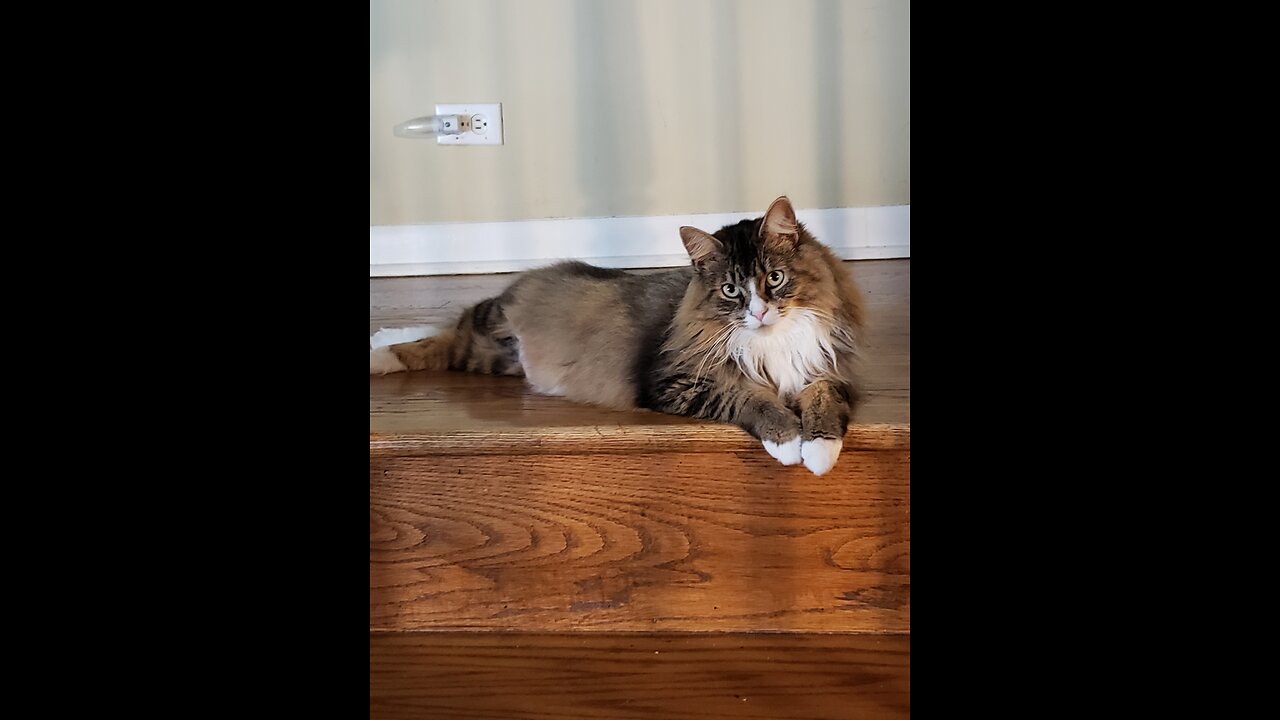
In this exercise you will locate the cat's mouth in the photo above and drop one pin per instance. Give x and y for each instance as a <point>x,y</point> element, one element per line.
<point>764,327</point>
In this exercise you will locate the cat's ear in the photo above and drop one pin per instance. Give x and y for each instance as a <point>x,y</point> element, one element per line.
<point>703,248</point>
<point>779,229</point>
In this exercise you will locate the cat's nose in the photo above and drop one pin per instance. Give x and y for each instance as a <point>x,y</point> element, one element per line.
<point>759,314</point>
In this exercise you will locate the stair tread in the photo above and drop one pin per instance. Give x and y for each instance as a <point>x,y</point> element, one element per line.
<point>427,412</point>
<point>436,411</point>
<point>638,675</point>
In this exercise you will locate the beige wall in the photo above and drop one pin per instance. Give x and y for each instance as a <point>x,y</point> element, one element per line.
<point>641,107</point>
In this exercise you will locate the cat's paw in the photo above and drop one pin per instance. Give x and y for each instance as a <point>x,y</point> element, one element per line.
<point>383,361</point>
<point>820,454</point>
<point>787,453</point>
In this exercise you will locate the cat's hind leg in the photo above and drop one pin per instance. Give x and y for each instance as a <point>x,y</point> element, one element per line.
<point>383,360</point>
<point>387,354</point>
<point>479,342</point>
<point>394,336</point>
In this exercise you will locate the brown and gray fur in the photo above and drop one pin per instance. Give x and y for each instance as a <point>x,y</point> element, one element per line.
<point>675,342</point>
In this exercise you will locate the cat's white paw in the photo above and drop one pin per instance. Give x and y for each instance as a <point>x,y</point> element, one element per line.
<point>383,361</point>
<point>787,453</point>
<point>820,454</point>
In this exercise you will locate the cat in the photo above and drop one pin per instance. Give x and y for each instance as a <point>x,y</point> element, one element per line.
<point>762,330</point>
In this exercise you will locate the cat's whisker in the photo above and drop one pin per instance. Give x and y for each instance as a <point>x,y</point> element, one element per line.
<point>708,343</point>
<point>722,344</point>
<point>713,352</point>
<point>837,325</point>
<point>709,352</point>
<point>713,335</point>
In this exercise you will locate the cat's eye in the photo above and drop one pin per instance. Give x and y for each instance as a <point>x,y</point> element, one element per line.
<point>776,277</point>
<point>730,291</point>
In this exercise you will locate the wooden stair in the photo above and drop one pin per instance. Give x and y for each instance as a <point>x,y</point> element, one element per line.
<point>534,558</point>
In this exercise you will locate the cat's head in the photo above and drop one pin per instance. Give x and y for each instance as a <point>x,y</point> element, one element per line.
<point>757,274</point>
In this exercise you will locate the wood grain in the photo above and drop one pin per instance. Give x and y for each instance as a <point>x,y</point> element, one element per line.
<point>434,412</point>
<point>728,541</point>
<point>510,676</point>
<point>611,439</point>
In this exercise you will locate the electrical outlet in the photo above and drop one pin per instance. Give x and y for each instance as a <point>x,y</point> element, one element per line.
<point>483,124</point>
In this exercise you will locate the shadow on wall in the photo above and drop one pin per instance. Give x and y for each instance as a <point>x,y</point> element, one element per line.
<point>726,54</point>
<point>615,168</point>
<point>609,86</point>
<point>828,93</point>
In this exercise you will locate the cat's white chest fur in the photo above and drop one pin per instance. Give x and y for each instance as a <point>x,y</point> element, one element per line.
<point>793,353</point>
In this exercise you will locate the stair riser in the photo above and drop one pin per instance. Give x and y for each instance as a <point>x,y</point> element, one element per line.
<point>727,541</point>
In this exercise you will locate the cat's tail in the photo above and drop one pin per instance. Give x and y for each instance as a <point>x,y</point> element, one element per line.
<point>479,342</point>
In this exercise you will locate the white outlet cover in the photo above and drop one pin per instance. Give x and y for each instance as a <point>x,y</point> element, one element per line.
<point>486,124</point>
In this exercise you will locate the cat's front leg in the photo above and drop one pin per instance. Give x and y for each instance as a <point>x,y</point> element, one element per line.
<point>825,407</point>
<point>774,425</point>
<point>755,409</point>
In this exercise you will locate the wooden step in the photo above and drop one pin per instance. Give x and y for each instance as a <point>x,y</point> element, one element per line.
<point>531,557</point>
<point>570,517</point>
<point>631,675</point>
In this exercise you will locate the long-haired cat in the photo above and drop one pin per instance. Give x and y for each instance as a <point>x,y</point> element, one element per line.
<point>761,331</point>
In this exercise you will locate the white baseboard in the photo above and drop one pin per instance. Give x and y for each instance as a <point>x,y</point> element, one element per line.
<point>626,242</point>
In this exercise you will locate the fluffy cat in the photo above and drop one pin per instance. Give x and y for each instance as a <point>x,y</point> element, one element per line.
<point>761,331</point>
